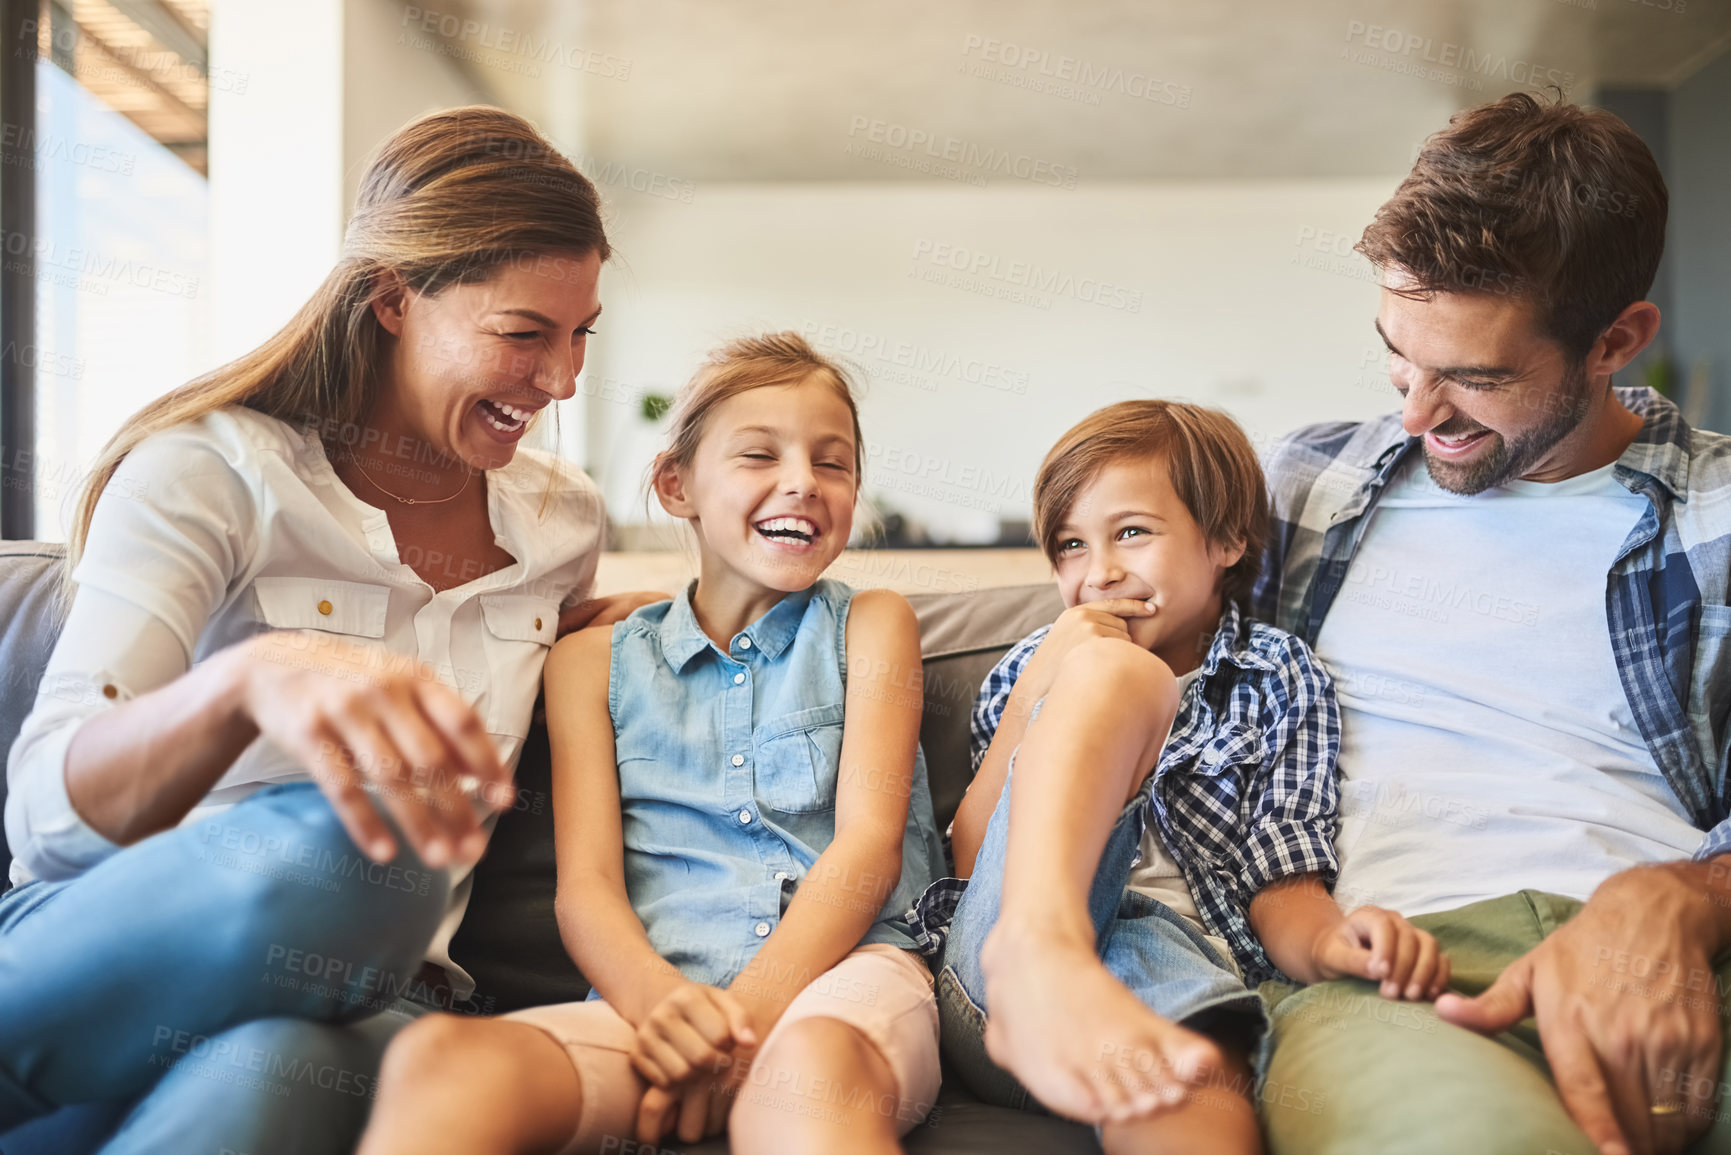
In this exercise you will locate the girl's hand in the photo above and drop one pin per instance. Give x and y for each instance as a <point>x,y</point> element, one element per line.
<point>692,1031</point>
<point>359,716</point>
<point>1107,618</point>
<point>1377,944</point>
<point>697,1111</point>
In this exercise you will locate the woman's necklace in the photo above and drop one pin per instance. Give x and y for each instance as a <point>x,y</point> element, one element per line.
<point>407,500</point>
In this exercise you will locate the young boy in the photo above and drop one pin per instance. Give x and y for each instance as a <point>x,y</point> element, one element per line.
<point>1169,832</point>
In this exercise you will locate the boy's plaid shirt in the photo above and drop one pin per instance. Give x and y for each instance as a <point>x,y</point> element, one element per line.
<point>1244,793</point>
<point>1665,595</point>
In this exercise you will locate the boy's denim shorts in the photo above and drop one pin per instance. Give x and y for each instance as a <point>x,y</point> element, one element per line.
<point>1151,949</point>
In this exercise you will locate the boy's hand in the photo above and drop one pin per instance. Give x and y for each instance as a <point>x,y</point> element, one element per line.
<point>1106,618</point>
<point>693,1030</point>
<point>1377,944</point>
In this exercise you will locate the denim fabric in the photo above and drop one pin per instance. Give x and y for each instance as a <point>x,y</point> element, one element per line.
<point>1164,960</point>
<point>136,977</point>
<point>728,765</point>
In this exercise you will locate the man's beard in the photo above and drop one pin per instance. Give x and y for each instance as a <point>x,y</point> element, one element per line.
<point>1504,460</point>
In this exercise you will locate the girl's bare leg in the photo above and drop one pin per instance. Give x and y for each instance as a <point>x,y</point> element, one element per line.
<point>820,1086</point>
<point>473,1087</point>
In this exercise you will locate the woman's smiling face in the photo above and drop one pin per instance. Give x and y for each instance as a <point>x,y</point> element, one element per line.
<point>475,363</point>
<point>772,487</point>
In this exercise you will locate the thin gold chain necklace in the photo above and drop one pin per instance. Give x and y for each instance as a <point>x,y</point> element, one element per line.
<point>365,476</point>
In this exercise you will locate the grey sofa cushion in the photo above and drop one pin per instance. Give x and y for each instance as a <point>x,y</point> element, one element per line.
<point>30,621</point>
<point>509,940</point>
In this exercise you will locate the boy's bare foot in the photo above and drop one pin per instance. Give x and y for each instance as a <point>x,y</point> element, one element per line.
<point>1077,1038</point>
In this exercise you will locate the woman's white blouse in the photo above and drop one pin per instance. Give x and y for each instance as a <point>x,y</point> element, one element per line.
<point>235,524</point>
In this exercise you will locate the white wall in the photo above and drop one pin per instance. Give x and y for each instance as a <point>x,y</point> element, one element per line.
<point>298,100</point>
<point>276,123</point>
<point>389,78</point>
<point>1246,296</point>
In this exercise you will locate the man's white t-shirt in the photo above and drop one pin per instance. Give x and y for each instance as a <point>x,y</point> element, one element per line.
<point>1487,743</point>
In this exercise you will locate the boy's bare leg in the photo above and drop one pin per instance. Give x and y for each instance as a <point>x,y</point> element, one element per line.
<point>475,1087</point>
<point>1054,1011</point>
<point>1217,1117</point>
<point>777,1111</point>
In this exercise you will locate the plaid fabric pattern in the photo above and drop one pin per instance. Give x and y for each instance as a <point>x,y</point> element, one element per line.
<point>1665,600</point>
<point>1244,793</point>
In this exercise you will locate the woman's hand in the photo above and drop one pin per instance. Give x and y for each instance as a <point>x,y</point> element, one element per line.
<point>1107,618</point>
<point>1380,945</point>
<point>605,611</point>
<point>692,1031</point>
<point>364,720</point>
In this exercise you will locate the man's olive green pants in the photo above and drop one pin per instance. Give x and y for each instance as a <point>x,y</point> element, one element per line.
<point>1354,1073</point>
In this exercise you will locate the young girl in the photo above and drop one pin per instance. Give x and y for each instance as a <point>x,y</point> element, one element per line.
<point>742,810</point>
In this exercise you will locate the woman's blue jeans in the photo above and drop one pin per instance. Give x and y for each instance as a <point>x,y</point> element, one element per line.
<point>224,986</point>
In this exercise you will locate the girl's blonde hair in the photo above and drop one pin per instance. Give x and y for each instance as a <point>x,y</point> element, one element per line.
<point>447,200</point>
<point>741,365</point>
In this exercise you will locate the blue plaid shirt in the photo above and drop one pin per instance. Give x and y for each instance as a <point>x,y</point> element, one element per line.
<point>1665,601</point>
<point>1244,793</point>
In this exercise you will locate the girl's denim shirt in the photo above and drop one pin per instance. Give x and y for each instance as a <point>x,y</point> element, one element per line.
<point>728,763</point>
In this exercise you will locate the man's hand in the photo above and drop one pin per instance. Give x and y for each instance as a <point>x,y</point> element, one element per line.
<point>1373,943</point>
<point>1627,1008</point>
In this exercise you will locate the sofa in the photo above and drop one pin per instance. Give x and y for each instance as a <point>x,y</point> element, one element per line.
<point>509,940</point>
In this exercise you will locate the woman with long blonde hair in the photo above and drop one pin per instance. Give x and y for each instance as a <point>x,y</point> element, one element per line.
<point>310,595</point>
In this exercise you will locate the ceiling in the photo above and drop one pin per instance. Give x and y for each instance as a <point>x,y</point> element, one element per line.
<point>146,59</point>
<point>790,90</point>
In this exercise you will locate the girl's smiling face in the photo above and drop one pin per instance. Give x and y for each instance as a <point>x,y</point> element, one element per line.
<point>772,486</point>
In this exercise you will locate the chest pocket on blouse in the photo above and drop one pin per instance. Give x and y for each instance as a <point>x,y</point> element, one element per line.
<point>798,758</point>
<point>337,607</point>
<point>520,628</point>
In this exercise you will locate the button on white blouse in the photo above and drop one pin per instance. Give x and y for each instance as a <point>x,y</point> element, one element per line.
<point>223,528</point>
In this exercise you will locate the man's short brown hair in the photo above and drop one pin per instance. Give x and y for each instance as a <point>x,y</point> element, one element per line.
<point>1209,460</point>
<point>1561,205</point>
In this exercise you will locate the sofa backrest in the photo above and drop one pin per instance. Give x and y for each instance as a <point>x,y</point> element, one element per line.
<point>30,622</point>
<point>961,636</point>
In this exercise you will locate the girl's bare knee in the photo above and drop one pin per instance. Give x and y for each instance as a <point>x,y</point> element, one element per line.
<point>816,1048</point>
<point>448,1050</point>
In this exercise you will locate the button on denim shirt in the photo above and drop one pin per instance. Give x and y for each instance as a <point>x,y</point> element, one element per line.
<point>728,765</point>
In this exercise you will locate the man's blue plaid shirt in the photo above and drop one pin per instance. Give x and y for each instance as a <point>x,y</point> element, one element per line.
<point>1244,793</point>
<point>1665,595</point>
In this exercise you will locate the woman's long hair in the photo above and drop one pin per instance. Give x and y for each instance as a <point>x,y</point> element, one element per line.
<point>446,200</point>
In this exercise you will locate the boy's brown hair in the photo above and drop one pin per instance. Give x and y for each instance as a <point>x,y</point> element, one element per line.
<point>1560,205</point>
<point>1209,460</point>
